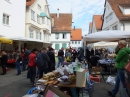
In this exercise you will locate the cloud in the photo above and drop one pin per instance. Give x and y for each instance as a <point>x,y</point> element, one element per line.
<point>82,10</point>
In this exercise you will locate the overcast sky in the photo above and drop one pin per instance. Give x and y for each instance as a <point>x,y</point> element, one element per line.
<point>82,10</point>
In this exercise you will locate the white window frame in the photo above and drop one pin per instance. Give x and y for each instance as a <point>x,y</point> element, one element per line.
<point>72,42</point>
<point>107,19</point>
<point>37,35</point>
<point>111,16</point>
<point>115,27</point>
<point>43,20</point>
<point>38,19</point>
<point>56,35</point>
<point>47,21</point>
<point>6,19</point>
<point>78,42</point>
<point>75,42</point>
<point>30,33</point>
<point>40,35</point>
<point>8,1</point>
<point>39,7</point>
<point>32,15</point>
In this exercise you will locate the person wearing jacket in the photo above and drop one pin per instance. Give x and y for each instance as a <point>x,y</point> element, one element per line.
<point>121,60</point>
<point>4,60</point>
<point>17,63</point>
<point>32,66</point>
<point>46,60</point>
<point>51,55</point>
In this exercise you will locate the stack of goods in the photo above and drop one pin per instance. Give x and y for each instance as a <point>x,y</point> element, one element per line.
<point>50,78</point>
<point>67,79</point>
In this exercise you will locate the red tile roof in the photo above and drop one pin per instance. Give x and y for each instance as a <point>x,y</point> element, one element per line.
<point>124,3</point>
<point>98,21</point>
<point>76,34</point>
<point>29,2</point>
<point>63,23</point>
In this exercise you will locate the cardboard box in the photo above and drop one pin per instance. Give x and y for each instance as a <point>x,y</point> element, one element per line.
<point>95,78</point>
<point>96,69</point>
<point>80,77</point>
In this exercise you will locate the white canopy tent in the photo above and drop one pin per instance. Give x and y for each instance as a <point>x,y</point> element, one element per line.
<point>110,35</point>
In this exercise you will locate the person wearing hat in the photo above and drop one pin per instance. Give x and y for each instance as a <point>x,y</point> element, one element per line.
<point>32,66</point>
<point>121,60</point>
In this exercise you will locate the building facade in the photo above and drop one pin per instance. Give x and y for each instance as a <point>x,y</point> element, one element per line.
<point>116,15</point>
<point>38,22</point>
<point>12,17</point>
<point>61,30</point>
<point>96,24</point>
<point>76,38</point>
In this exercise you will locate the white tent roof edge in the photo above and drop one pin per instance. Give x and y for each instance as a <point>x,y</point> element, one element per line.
<point>110,35</point>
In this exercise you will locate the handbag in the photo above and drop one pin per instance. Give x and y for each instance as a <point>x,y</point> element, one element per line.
<point>127,67</point>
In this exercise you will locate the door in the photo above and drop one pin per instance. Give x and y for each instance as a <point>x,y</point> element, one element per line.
<point>64,45</point>
<point>56,46</point>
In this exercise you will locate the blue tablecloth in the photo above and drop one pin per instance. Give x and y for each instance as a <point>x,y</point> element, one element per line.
<point>106,61</point>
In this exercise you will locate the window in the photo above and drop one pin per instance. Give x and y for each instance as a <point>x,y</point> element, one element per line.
<point>64,36</point>
<point>111,16</point>
<point>43,20</point>
<point>38,19</point>
<point>72,42</point>
<point>56,36</point>
<point>75,42</point>
<point>44,36</point>
<point>107,18</point>
<point>7,0</point>
<point>40,36</point>
<point>36,35</point>
<point>31,33</point>
<point>32,15</point>
<point>114,27</point>
<point>78,42</point>
<point>5,19</point>
<point>39,7</point>
<point>47,21</point>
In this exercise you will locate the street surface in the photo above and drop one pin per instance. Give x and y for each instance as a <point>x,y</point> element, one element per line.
<point>17,86</point>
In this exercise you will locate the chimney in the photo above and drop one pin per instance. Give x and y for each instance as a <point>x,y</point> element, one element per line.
<point>74,27</point>
<point>58,13</point>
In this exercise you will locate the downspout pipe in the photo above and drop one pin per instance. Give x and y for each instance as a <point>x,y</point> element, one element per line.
<point>123,25</point>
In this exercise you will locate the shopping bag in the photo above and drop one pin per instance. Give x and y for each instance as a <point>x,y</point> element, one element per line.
<point>110,80</point>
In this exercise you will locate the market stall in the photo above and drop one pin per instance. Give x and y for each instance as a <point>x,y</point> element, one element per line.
<point>64,80</point>
<point>110,35</point>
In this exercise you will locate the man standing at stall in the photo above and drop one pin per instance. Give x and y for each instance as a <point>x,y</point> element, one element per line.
<point>32,66</point>
<point>60,57</point>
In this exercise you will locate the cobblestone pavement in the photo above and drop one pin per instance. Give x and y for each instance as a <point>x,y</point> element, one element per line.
<point>11,77</point>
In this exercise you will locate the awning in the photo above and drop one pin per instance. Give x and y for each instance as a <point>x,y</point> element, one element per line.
<point>42,14</point>
<point>5,40</point>
<point>25,39</point>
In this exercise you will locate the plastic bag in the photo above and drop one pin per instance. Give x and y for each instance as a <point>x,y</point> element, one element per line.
<point>111,80</point>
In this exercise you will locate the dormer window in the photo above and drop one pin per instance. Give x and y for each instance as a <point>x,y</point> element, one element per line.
<point>125,9</point>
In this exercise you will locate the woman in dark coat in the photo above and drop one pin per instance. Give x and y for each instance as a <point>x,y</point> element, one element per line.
<point>51,63</point>
<point>4,59</point>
